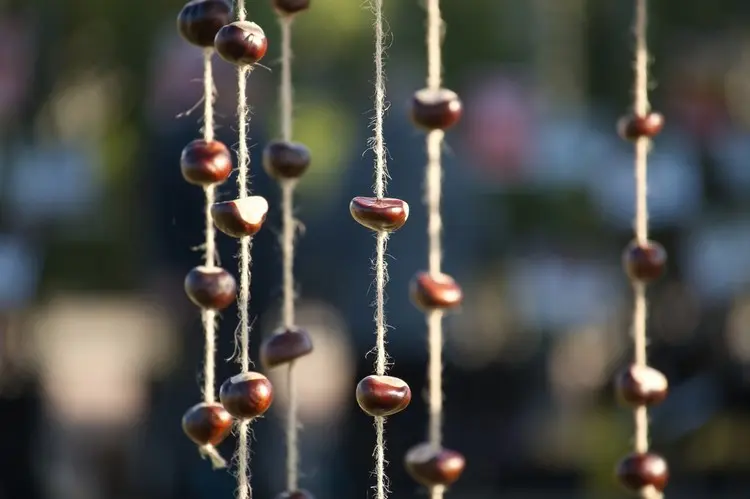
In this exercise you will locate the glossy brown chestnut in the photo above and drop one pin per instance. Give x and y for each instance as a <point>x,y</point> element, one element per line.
<point>200,20</point>
<point>241,217</point>
<point>438,292</point>
<point>210,288</point>
<point>207,423</point>
<point>246,395</point>
<point>284,347</point>
<point>644,262</point>
<point>431,466</point>
<point>383,395</point>
<point>634,127</point>
<point>436,109</point>
<point>297,494</point>
<point>290,6</point>
<point>205,163</point>
<point>636,471</point>
<point>386,214</point>
<point>242,43</point>
<point>285,160</point>
<point>641,385</point>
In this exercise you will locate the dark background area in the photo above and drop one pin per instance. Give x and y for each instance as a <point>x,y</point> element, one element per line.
<point>100,350</point>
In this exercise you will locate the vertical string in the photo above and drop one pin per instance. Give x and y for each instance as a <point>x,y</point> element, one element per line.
<point>287,186</point>
<point>381,271</point>
<point>287,250</point>
<point>381,168</point>
<point>433,185</point>
<point>292,459</point>
<point>641,217</point>
<point>208,317</point>
<point>287,247</point>
<point>244,490</point>
<point>641,108</point>
<point>434,44</point>
<point>243,161</point>
<point>287,99</point>
<point>381,363</point>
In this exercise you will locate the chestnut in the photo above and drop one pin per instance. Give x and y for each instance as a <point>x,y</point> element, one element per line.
<point>200,20</point>
<point>211,288</point>
<point>240,217</point>
<point>296,494</point>
<point>246,395</point>
<point>379,214</point>
<point>205,163</point>
<point>284,160</point>
<point>242,43</point>
<point>644,262</point>
<point>290,7</point>
<point>436,109</point>
<point>433,465</point>
<point>641,385</point>
<point>284,347</point>
<point>383,395</point>
<point>435,292</point>
<point>636,471</point>
<point>633,127</point>
<point>207,423</point>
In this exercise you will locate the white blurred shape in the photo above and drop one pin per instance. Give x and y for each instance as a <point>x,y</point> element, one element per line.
<point>579,361</point>
<point>96,354</point>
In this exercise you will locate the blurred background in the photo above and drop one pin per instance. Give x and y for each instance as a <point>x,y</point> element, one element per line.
<point>100,350</point>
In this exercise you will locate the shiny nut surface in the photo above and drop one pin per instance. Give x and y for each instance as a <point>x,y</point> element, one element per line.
<point>297,494</point>
<point>634,127</point>
<point>383,395</point>
<point>289,7</point>
<point>436,109</point>
<point>240,217</point>
<point>641,385</point>
<point>210,288</point>
<point>386,214</point>
<point>246,395</point>
<point>205,163</point>
<point>644,262</point>
<point>431,465</point>
<point>207,423</point>
<point>242,43</point>
<point>200,20</point>
<point>286,160</point>
<point>285,346</point>
<point>636,471</point>
<point>435,292</point>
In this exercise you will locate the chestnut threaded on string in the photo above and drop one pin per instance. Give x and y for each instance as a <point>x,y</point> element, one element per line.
<point>207,162</point>
<point>379,395</point>
<point>286,162</point>
<point>642,471</point>
<point>434,109</point>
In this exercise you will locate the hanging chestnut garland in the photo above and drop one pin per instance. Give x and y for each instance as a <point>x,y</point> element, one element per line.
<point>380,395</point>
<point>206,163</point>
<point>435,109</point>
<point>286,162</point>
<point>640,386</point>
